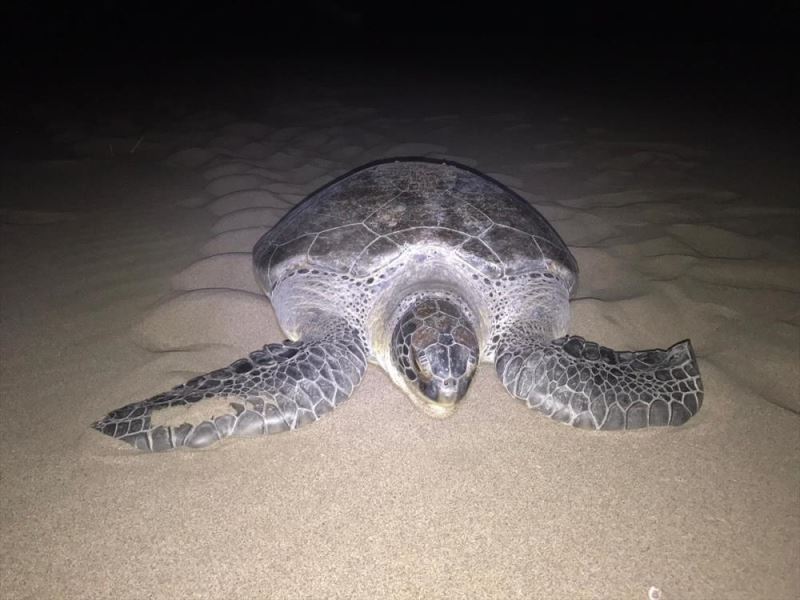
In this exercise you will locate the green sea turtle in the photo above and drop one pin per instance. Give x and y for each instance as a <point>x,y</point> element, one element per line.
<point>426,268</point>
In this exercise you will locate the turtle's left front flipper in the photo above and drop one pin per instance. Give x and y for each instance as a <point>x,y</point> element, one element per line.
<point>591,386</point>
<point>277,388</point>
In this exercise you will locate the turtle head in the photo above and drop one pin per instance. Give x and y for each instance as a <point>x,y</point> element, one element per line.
<point>435,352</point>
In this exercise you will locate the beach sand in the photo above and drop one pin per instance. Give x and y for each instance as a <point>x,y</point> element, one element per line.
<point>126,270</point>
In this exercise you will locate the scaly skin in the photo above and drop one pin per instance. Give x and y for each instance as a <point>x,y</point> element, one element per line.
<point>591,386</point>
<point>278,388</point>
<point>435,351</point>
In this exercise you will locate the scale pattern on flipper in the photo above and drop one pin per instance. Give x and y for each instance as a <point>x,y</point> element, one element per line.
<point>587,385</point>
<point>277,388</point>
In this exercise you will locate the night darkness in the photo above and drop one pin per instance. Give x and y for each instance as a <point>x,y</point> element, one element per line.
<point>734,52</point>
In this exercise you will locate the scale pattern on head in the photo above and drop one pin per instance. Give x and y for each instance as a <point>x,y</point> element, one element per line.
<point>436,350</point>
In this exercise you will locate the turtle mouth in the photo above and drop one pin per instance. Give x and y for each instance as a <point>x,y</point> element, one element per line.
<point>440,399</point>
<point>446,393</point>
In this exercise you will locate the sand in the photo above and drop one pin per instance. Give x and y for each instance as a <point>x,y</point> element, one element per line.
<point>126,270</point>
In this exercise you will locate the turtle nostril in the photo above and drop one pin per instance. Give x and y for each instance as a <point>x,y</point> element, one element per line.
<point>449,383</point>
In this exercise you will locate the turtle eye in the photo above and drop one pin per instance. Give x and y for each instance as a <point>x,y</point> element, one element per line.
<point>423,366</point>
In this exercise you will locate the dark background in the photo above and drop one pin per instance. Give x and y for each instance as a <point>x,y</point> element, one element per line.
<point>737,55</point>
<point>681,37</point>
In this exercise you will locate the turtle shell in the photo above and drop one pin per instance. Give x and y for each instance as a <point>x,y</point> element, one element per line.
<point>365,219</point>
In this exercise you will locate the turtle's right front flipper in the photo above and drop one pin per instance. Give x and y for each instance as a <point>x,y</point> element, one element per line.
<point>274,389</point>
<point>591,386</point>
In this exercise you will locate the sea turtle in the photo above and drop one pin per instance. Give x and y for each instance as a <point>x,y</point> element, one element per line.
<point>425,268</point>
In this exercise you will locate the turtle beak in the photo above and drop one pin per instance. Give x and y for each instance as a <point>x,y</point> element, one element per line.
<point>447,393</point>
<point>447,398</point>
<point>451,390</point>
